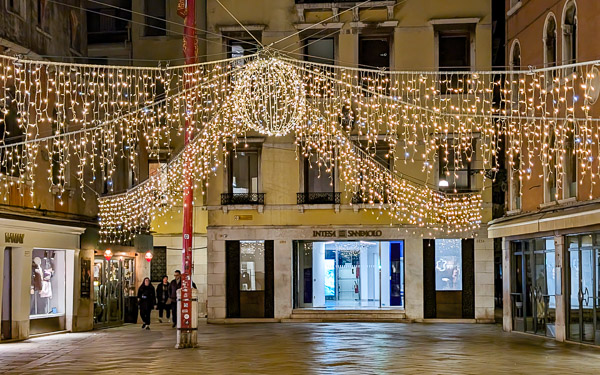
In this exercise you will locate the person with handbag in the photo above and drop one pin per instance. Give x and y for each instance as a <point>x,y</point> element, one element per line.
<point>164,299</point>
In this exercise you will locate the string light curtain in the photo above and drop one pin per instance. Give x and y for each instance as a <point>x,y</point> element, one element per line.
<point>93,117</point>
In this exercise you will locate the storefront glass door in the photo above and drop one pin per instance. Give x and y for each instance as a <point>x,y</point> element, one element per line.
<point>114,281</point>
<point>533,286</point>
<point>349,274</point>
<point>584,298</point>
<point>108,298</point>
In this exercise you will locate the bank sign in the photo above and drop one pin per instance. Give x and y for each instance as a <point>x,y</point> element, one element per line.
<point>347,233</point>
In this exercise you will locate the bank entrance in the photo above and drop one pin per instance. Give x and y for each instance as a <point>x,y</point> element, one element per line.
<point>362,274</point>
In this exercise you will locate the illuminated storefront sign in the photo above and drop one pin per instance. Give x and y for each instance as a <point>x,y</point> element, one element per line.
<point>347,233</point>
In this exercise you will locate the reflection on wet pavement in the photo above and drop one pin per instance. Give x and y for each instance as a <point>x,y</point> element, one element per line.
<point>294,348</point>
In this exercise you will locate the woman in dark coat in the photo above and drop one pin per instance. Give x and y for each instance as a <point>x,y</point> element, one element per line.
<point>162,295</point>
<point>147,300</point>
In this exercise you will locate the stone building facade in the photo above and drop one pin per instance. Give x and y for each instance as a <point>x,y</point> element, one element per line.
<point>549,235</point>
<point>53,276</point>
<point>297,249</point>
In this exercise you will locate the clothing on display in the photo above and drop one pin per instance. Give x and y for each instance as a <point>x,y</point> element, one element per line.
<point>44,283</point>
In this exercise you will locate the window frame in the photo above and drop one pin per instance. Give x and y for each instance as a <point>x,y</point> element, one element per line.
<point>311,39</point>
<point>150,23</point>
<point>462,29</point>
<point>545,43</point>
<point>232,157</point>
<point>375,36</point>
<point>470,170</point>
<point>21,12</point>
<point>306,178</point>
<point>566,35</point>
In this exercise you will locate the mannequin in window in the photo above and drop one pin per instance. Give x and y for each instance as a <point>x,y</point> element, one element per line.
<point>48,269</point>
<point>37,280</point>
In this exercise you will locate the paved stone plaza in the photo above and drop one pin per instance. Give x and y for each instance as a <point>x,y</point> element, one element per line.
<point>294,348</point>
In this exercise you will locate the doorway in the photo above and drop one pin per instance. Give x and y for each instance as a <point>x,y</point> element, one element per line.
<point>250,279</point>
<point>114,291</point>
<point>7,296</point>
<point>449,278</point>
<point>583,313</point>
<point>348,275</point>
<point>533,294</point>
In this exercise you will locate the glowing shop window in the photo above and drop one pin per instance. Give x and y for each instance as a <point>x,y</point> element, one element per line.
<point>448,265</point>
<point>252,265</point>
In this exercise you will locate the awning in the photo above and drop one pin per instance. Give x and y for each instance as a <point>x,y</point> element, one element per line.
<point>562,218</point>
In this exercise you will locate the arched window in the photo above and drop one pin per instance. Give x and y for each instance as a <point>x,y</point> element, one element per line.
<point>550,192</point>
<point>569,180</point>
<point>569,33</point>
<point>515,55</point>
<point>550,44</point>
<point>515,64</point>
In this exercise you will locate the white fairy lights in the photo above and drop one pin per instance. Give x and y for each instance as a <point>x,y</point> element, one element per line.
<point>269,97</point>
<point>88,121</point>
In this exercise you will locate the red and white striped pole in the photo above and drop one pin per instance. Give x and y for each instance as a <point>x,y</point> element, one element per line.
<point>187,321</point>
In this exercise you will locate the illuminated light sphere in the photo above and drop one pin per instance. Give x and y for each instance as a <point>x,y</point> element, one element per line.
<point>269,96</point>
<point>148,256</point>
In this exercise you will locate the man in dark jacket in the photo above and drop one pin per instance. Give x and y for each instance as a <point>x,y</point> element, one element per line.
<point>173,287</point>
<point>175,284</point>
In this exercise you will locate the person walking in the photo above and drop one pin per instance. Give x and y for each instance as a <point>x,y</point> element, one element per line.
<point>173,286</point>
<point>163,298</point>
<point>147,300</point>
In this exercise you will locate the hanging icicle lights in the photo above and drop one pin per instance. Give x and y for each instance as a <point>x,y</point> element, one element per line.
<point>89,118</point>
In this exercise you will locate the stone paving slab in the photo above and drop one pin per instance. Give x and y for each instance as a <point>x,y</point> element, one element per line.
<point>296,348</point>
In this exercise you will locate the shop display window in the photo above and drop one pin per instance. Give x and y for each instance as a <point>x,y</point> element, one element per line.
<point>448,264</point>
<point>252,265</point>
<point>349,274</point>
<point>47,292</point>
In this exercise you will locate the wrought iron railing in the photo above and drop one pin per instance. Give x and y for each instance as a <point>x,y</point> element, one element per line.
<point>242,198</point>
<point>359,198</point>
<point>319,198</point>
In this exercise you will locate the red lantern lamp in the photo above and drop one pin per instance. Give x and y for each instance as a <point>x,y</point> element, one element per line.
<point>108,254</point>
<point>148,256</point>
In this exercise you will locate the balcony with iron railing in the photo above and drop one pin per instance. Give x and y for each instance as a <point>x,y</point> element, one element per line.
<point>360,198</point>
<point>228,199</point>
<point>319,198</point>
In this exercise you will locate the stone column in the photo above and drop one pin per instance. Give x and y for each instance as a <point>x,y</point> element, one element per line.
<point>484,279</point>
<point>561,291</point>
<point>216,279</point>
<point>21,296</point>
<point>507,323</point>
<point>283,278</point>
<point>413,277</point>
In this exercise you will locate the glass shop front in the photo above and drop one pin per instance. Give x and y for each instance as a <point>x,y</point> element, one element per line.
<point>115,289</point>
<point>47,291</point>
<point>347,275</point>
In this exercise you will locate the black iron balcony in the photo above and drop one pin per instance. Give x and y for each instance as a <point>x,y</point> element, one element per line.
<point>242,198</point>
<point>319,198</point>
<point>359,198</point>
